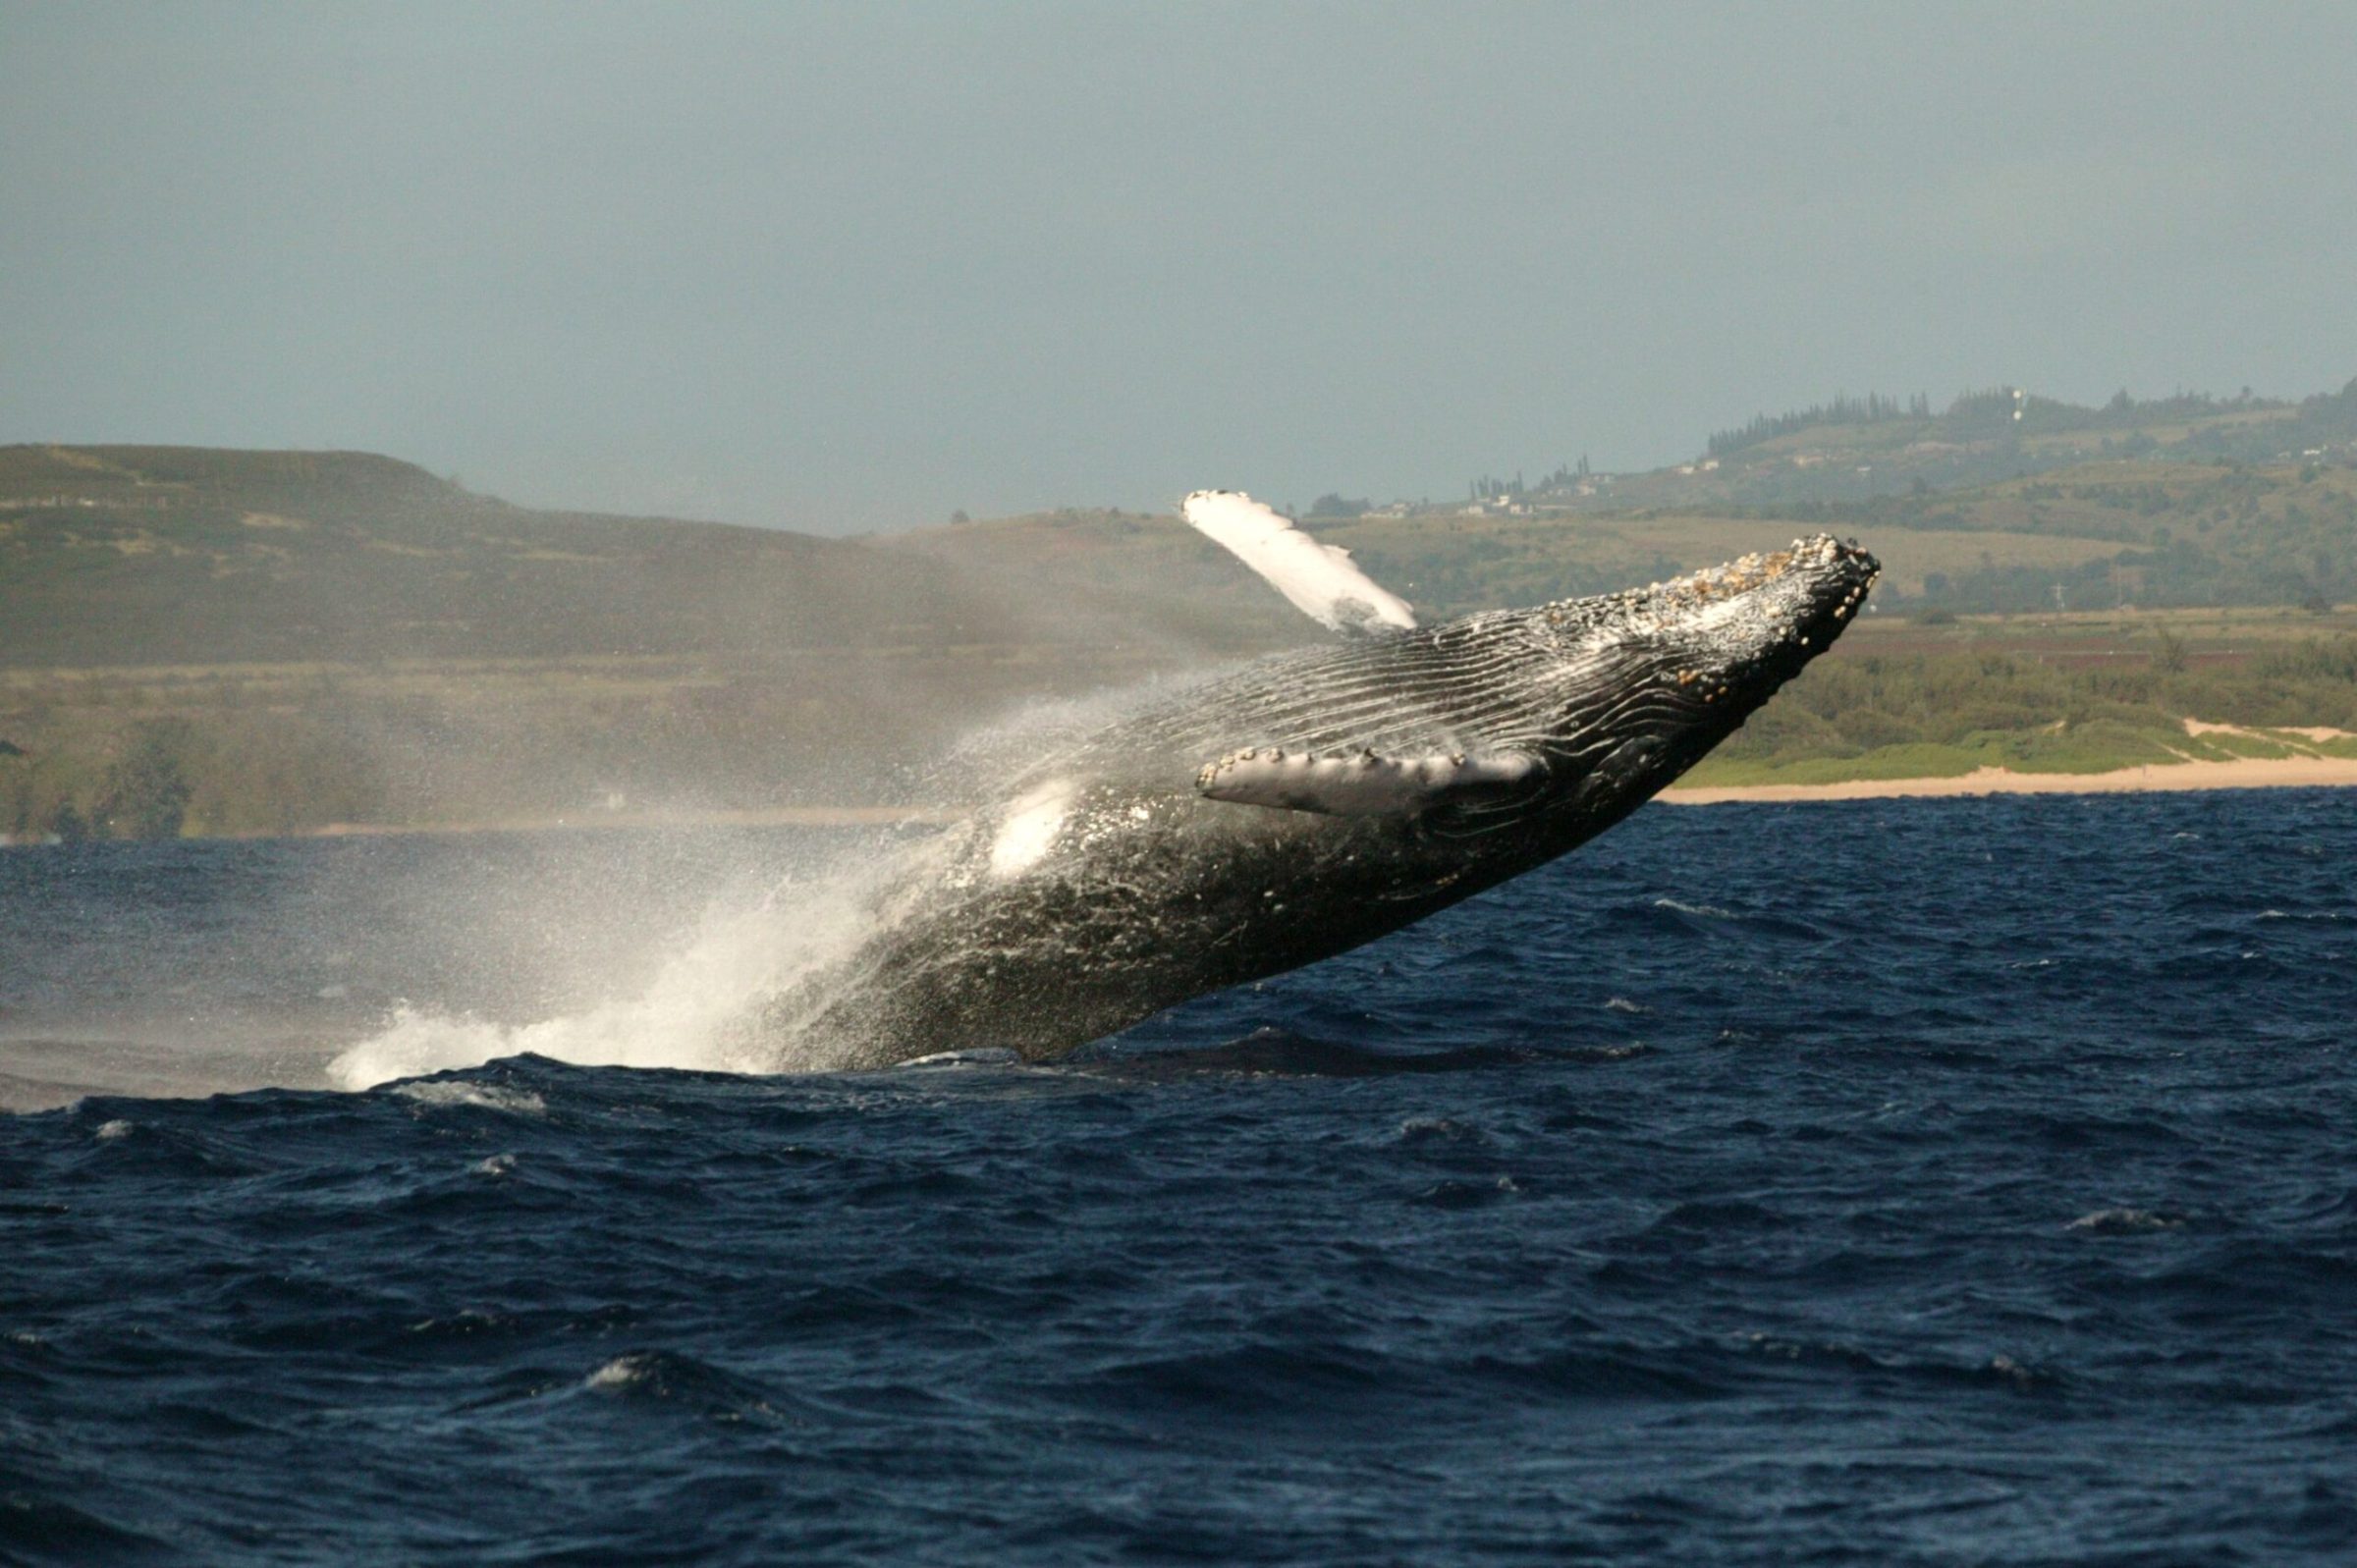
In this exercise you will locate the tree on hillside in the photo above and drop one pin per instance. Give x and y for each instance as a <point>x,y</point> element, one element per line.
<point>145,794</point>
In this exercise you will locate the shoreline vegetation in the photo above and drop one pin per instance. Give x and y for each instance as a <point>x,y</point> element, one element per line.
<point>1900,706</point>
<point>197,643</point>
<point>2048,762</point>
<point>2244,773</point>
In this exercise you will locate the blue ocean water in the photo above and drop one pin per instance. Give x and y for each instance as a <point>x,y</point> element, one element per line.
<point>1887,1182</point>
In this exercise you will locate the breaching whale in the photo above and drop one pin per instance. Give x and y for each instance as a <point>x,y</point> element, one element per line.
<point>1310,801</point>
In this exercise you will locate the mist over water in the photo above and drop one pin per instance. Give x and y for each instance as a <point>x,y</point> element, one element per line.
<point>347,962</point>
<point>715,973</point>
<point>136,968</point>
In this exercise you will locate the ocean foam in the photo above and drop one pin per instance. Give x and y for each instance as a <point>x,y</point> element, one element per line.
<point>1707,911</point>
<point>482,1096</point>
<point>625,1371</point>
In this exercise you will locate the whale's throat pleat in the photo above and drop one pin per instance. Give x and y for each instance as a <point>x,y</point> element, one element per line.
<point>1476,687</point>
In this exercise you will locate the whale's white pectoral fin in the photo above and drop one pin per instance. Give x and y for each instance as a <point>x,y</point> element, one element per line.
<point>1359,784</point>
<point>1320,580</point>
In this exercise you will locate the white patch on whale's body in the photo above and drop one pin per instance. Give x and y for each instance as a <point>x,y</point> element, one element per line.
<point>1029,827</point>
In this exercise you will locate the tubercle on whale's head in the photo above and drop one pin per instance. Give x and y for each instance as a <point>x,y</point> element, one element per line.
<point>1672,669</point>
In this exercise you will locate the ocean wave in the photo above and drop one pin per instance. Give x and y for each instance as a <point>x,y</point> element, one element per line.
<point>2126,1221</point>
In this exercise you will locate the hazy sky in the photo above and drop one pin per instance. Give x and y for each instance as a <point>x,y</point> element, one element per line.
<point>850,267</point>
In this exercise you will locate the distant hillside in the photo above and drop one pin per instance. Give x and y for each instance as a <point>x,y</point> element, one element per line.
<point>163,555</point>
<point>1854,449</point>
<point>197,642</point>
<point>1132,577</point>
<point>2182,500</point>
<point>2149,532</point>
<point>181,556</point>
<point>2098,535</point>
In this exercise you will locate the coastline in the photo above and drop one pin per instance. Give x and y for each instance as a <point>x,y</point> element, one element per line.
<point>2242,772</point>
<point>590,822</point>
<point>749,817</point>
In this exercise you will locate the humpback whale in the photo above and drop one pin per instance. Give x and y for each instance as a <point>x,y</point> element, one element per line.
<point>1310,801</point>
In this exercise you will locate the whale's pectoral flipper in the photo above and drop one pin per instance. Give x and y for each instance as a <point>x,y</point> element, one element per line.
<point>1321,579</point>
<point>1360,784</point>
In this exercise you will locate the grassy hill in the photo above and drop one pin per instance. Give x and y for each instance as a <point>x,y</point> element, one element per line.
<point>158,555</point>
<point>2000,503</point>
<point>2154,533</point>
<point>2081,692</point>
<point>2062,622</point>
<point>1857,450</point>
<point>2106,534</point>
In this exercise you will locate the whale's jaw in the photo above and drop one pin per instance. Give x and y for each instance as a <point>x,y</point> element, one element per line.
<point>1649,679</point>
<point>1748,626</point>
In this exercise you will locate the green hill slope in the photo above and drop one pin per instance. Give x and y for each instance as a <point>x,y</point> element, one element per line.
<point>249,641</point>
<point>1858,450</point>
<point>150,554</point>
<point>2098,535</point>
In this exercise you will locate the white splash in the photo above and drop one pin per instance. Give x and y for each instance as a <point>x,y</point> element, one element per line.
<point>690,1017</point>
<point>625,1371</point>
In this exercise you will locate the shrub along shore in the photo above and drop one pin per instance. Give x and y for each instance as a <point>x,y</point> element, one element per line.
<point>2180,703</point>
<point>2247,772</point>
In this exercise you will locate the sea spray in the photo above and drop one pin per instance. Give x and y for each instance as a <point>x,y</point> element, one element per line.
<point>704,1010</point>
<point>687,1018</point>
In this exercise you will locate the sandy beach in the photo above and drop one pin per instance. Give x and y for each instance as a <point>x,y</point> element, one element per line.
<point>2241,774</point>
